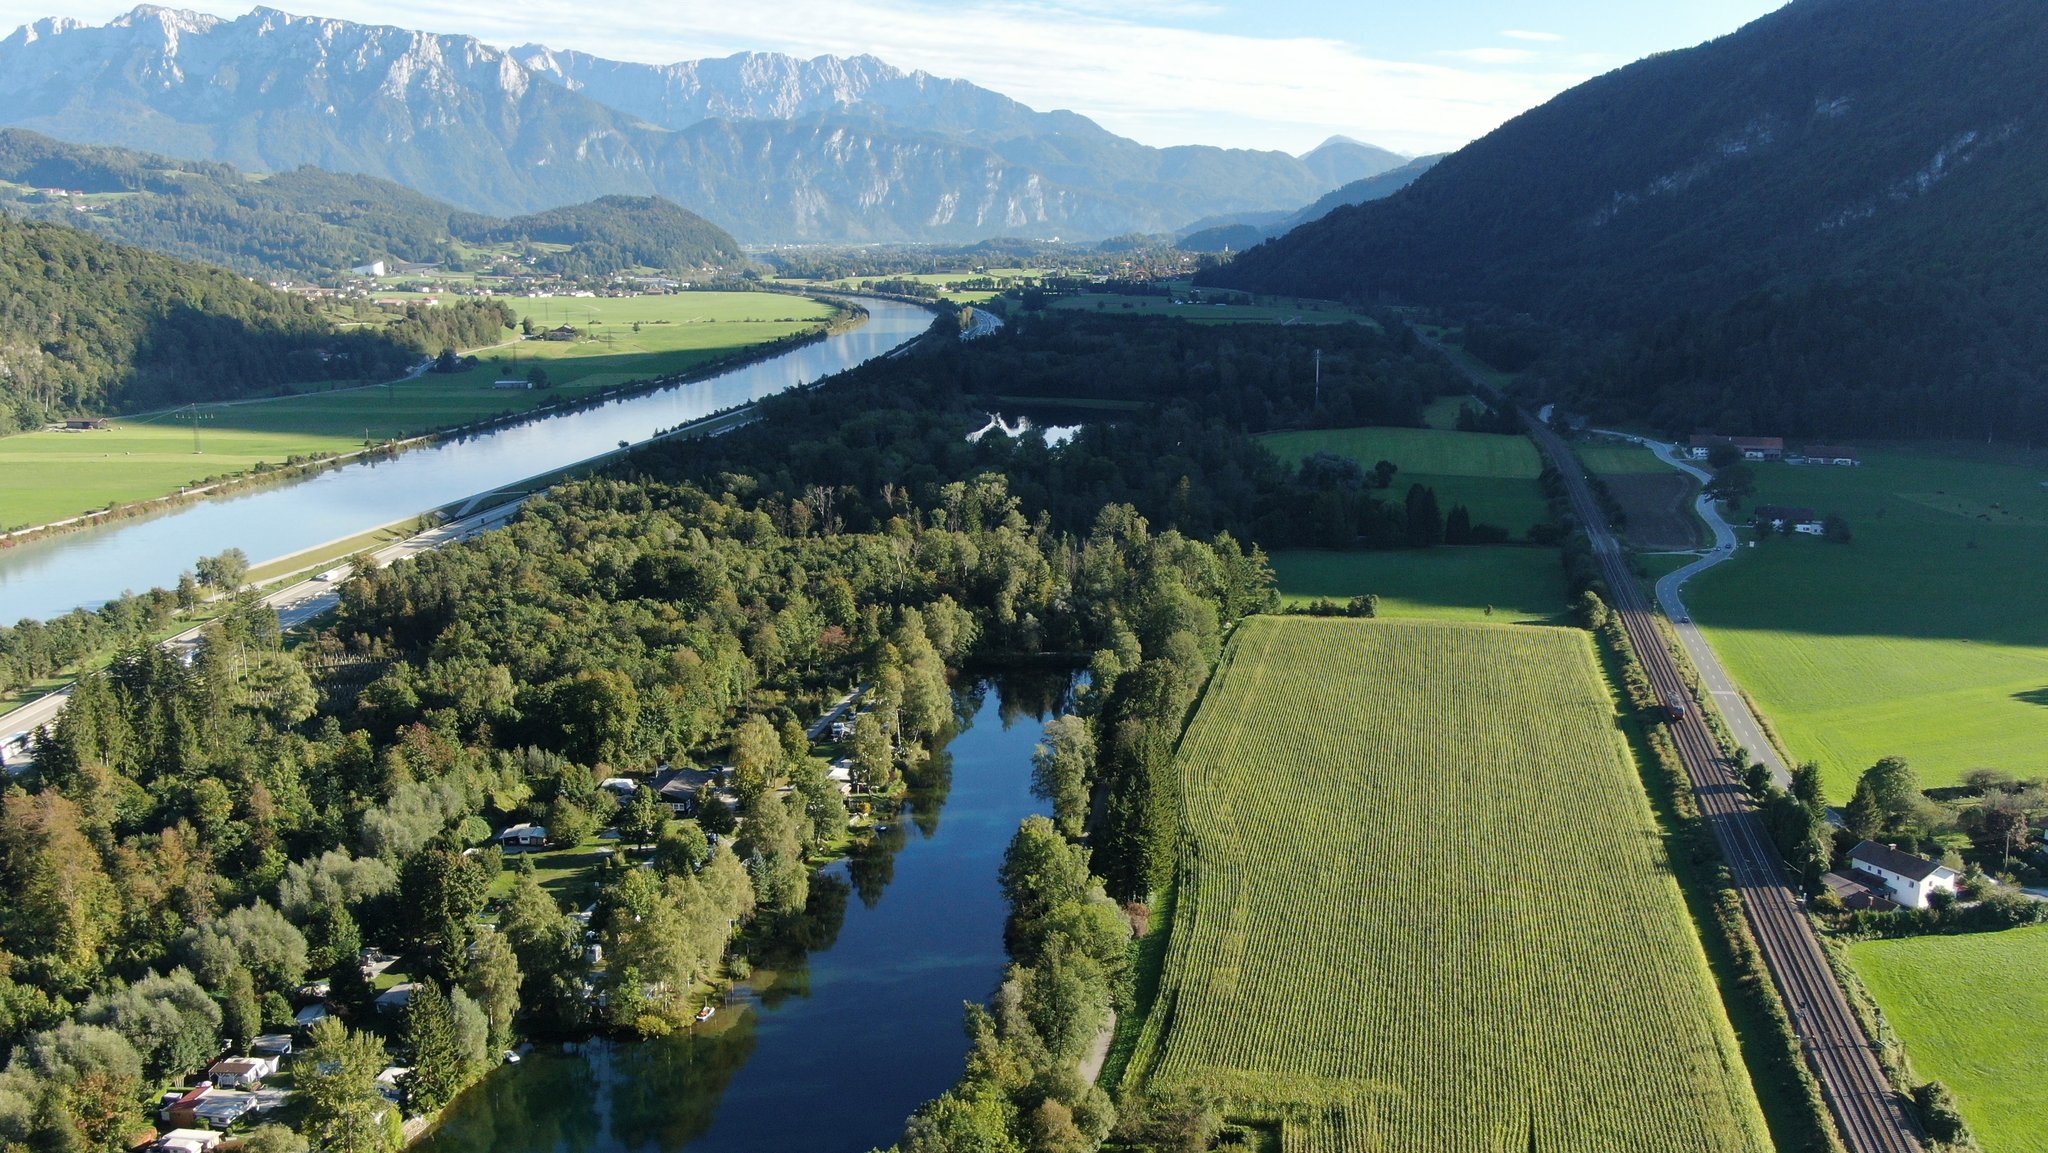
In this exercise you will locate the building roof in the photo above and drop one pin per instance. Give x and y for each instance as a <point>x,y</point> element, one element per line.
<point>1897,863</point>
<point>1760,443</point>
<point>678,784</point>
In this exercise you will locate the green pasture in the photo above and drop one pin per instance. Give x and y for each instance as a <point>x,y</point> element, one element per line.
<point>1519,584</point>
<point>1442,412</point>
<point>1925,637</point>
<point>1973,1013</point>
<point>1610,457</point>
<point>46,476</point>
<point>1493,476</point>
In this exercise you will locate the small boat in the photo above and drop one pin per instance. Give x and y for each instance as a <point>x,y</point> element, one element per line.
<point>705,1013</point>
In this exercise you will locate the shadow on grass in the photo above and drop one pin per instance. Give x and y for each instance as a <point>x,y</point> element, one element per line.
<point>2033,697</point>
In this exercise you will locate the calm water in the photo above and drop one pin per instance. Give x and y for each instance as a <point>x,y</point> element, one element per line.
<point>845,1044</point>
<point>49,577</point>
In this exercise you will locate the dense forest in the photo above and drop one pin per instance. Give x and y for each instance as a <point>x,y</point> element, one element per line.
<point>313,223</point>
<point>1820,224</point>
<point>92,327</point>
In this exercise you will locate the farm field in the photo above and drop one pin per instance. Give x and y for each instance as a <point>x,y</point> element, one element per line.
<point>1656,498</point>
<point>1493,476</point>
<point>1521,584</point>
<point>940,279</point>
<point>1925,637</point>
<point>46,476</point>
<point>1374,969</point>
<point>1973,1012</point>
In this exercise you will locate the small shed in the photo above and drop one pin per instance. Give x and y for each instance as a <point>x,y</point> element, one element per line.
<point>526,835</point>
<point>187,1141</point>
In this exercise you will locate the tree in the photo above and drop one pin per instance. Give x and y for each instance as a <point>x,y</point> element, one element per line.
<point>224,572</point>
<point>1040,872</point>
<point>448,361</point>
<point>643,817</point>
<point>1066,1000</point>
<point>1835,527</point>
<point>1458,525</point>
<point>775,856</point>
<point>1733,484</point>
<point>1720,456</point>
<point>428,1038</point>
<point>1864,816</point>
<point>874,762</point>
<point>1896,790</point>
<point>337,1080</point>
<point>1806,786</point>
<point>1425,521</point>
<point>1060,769</point>
<point>63,910</point>
<point>170,1020</point>
<point>756,757</point>
<point>98,1072</point>
<point>491,978</point>
<point>537,376</point>
<point>441,891</point>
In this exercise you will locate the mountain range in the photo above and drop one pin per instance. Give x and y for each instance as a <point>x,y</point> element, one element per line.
<point>770,147</point>
<point>1826,222</point>
<point>311,223</point>
<point>1243,230</point>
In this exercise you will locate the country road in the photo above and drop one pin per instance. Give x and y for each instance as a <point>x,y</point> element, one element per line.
<point>1870,1116</point>
<point>1735,710</point>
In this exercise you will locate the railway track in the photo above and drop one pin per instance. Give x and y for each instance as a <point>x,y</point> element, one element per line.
<point>1870,1116</point>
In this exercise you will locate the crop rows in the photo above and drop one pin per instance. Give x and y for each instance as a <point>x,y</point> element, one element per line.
<point>1425,905</point>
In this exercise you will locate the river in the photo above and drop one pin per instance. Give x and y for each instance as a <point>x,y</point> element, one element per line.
<point>837,1049</point>
<point>49,577</point>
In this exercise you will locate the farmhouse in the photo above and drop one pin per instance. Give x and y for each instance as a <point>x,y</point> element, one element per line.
<point>1752,447</point>
<point>89,423</point>
<point>526,835</point>
<point>565,332</point>
<point>1777,518</point>
<point>1832,454</point>
<point>1907,879</point>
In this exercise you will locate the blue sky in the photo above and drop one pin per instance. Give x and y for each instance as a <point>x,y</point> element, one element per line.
<point>1417,76</point>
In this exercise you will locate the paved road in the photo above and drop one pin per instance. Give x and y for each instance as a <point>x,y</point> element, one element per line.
<point>295,605</point>
<point>1714,677</point>
<point>1870,1116</point>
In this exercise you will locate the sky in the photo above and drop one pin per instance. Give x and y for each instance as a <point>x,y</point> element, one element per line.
<point>1415,76</point>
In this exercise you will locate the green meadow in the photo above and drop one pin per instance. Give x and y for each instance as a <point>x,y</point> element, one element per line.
<point>1493,476</point>
<point>46,476</point>
<point>1925,637</point>
<point>1972,1011</point>
<point>1518,584</point>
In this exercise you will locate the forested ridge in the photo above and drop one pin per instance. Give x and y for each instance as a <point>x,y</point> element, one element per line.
<point>314,223</point>
<point>1821,224</point>
<point>87,326</point>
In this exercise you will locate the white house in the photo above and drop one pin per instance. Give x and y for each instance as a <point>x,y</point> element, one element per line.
<point>530,836</point>
<point>1908,879</point>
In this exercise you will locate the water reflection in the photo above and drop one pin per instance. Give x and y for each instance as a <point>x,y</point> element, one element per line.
<point>857,1022</point>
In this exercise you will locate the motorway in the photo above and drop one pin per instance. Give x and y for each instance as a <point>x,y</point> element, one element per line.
<point>1870,1116</point>
<point>295,604</point>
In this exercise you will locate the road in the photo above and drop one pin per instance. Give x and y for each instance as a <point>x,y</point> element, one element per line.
<point>1714,677</point>
<point>1870,1116</point>
<point>295,605</point>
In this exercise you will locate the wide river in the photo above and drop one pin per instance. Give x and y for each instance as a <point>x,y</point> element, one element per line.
<point>836,1051</point>
<point>52,576</point>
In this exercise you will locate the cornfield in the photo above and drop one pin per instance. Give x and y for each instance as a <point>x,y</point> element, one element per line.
<point>1424,906</point>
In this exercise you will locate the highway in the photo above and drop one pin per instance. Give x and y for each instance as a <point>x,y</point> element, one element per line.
<point>1870,1116</point>
<point>295,604</point>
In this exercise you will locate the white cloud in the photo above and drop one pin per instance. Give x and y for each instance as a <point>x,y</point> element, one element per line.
<point>1542,37</point>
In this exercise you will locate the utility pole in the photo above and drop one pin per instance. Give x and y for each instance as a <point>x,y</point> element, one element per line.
<point>1319,378</point>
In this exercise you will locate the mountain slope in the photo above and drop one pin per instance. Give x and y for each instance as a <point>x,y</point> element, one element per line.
<point>313,223</point>
<point>1244,231</point>
<point>769,147</point>
<point>90,326</point>
<point>1825,222</point>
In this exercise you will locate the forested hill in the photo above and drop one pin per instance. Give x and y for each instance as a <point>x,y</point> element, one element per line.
<point>314,223</point>
<point>1826,222</point>
<point>87,326</point>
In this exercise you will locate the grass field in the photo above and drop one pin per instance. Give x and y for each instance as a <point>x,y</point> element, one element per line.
<point>1520,584</point>
<point>1387,939</point>
<point>1493,476</point>
<point>1442,412</point>
<point>1973,1012</point>
<point>46,476</point>
<point>1925,637</point>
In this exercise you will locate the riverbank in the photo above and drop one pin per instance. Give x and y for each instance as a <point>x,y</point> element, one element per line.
<point>846,315</point>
